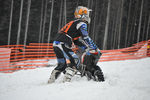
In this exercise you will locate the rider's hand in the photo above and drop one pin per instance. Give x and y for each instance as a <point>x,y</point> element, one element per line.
<point>95,52</point>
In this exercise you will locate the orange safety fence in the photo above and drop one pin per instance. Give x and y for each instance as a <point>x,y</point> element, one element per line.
<point>18,57</point>
<point>5,57</point>
<point>148,48</point>
<point>24,57</point>
<point>137,51</point>
<point>42,44</point>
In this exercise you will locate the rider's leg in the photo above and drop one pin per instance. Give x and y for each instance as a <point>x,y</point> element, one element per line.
<point>61,60</point>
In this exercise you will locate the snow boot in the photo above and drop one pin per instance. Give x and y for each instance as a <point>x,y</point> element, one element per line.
<point>70,72</point>
<point>54,75</point>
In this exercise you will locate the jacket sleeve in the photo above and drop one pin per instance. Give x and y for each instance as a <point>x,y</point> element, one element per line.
<point>87,40</point>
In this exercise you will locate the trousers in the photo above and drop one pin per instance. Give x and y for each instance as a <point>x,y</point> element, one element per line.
<point>63,52</point>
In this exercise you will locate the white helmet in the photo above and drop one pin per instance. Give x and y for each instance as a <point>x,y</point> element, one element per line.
<point>82,13</point>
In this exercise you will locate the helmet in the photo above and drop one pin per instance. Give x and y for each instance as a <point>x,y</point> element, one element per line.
<point>82,13</point>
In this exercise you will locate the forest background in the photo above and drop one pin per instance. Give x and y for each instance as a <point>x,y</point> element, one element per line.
<point>114,23</point>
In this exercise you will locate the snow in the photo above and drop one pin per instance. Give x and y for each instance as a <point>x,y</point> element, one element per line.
<point>125,80</point>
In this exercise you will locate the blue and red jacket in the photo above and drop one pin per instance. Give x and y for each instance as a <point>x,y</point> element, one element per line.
<point>76,32</point>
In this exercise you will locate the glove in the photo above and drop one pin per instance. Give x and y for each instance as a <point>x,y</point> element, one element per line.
<point>95,52</point>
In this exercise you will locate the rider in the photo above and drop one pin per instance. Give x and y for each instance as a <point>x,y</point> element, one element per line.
<point>73,33</point>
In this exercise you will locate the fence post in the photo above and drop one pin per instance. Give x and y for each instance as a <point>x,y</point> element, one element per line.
<point>148,48</point>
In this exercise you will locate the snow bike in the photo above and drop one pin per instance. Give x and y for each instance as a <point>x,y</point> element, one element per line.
<point>89,68</point>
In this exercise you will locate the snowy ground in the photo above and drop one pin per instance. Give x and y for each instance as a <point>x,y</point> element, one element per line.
<point>125,80</point>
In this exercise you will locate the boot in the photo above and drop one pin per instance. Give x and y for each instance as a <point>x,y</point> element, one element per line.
<point>70,72</point>
<point>54,75</point>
